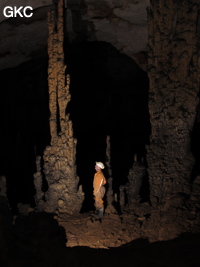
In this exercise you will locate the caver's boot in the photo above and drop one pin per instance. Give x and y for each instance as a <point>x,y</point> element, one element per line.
<point>100,213</point>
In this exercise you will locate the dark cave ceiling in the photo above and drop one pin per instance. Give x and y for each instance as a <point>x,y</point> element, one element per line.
<point>122,23</point>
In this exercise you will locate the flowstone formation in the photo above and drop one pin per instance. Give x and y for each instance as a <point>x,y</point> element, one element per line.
<point>63,195</point>
<point>173,96</point>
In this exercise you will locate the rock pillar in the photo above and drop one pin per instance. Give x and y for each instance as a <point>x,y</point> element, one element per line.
<point>173,95</point>
<point>59,158</point>
<point>109,194</point>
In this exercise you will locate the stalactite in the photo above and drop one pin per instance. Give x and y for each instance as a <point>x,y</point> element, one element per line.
<point>59,158</point>
<point>173,96</point>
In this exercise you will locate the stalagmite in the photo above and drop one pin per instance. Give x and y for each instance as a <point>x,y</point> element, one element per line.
<point>59,158</point>
<point>133,187</point>
<point>39,197</point>
<point>173,95</point>
<point>109,194</point>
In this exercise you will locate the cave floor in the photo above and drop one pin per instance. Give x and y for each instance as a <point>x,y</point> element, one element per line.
<point>139,238</point>
<point>112,230</point>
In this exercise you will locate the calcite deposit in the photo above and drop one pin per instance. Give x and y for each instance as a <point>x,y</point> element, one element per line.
<point>63,194</point>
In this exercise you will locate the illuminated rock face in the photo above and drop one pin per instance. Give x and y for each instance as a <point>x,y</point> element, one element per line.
<point>173,96</point>
<point>63,194</point>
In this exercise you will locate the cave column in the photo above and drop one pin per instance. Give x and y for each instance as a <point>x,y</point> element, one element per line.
<point>63,195</point>
<point>173,95</point>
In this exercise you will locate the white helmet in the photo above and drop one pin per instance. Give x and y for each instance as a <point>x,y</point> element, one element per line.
<point>100,165</point>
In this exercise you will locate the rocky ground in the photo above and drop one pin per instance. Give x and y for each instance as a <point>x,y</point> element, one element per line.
<point>157,237</point>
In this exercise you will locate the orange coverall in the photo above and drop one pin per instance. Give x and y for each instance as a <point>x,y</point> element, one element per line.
<point>99,189</point>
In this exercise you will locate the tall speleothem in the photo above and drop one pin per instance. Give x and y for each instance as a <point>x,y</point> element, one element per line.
<point>174,85</point>
<point>59,158</point>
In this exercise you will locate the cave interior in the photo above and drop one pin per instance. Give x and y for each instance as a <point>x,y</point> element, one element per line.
<point>126,96</point>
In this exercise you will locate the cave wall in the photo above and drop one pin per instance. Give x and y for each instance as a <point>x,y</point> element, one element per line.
<point>173,96</point>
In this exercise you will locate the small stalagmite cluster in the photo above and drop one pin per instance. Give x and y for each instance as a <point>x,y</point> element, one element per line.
<point>129,194</point>
<point>63,194</point>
